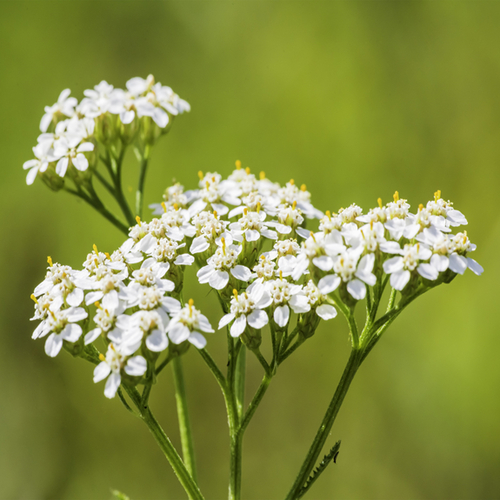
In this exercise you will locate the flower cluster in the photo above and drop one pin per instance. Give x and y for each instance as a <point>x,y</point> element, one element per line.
<point>72,130</point>
<point>247,237</point>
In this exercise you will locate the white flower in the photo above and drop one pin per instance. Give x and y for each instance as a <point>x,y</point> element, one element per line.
<point>106,319</point>
<point>64,106</point>
<point>251,225</point>
<point>401,268</point>
<point>111,366</point>
<point>314,300</point>
<point>185,325</point>
<point>350,269</point>
<point>282,292</point>
<point>71,153</point>
<point>39,165</point>
<point>223,262</point>
<point>247,308</point>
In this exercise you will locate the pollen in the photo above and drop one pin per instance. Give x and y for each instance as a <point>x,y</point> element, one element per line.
<point>176,206</point>
<point>396,196</point>
<point>33,298</point>
<point>200,175</point>
<point>281,275</point>
<point>245,210</point>
<point>207,184</point>
<point>238,164</point>
<point>107,255</point>
<point>420,207</point>
<point>190,304</point>
<point>235,292</point>
<point>379,201</point>
<point>215,213</point>
<point>437,195</point>
<point>102,357</point>
<point>138,220</point>
<point>311,234</point>
<point>294,205</point>
<point>49,260</point>
<point>258,207</point>
<point>164,206</point>
<point>247,170</point>
<point>223,241</point>
<point>98,305</point>
<point>303,188</point>
<point>328,214</point>
<point>262,175</point>
<point>292,182</point>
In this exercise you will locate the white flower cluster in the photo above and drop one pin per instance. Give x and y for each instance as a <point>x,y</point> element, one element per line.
<point>355,250</point>
<point>131,298</point>
<point>71,130</point>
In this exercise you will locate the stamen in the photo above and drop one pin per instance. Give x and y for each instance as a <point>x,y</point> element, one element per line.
<point>102,357</point>
<point>281,275</point>
<point>98,305</point>
<point>437,195</point>
<point>138,220</point>
<point>303,187</point>
<point>215,214</point>
<point>223,241</point>
<point>94,246</point>
<point>420,207</point>
<point>262,175</point>
<point>311,234</point>
<point>294,205</point>
<point>292,182</point>
<point>164,206</point>
<point>328,214</point>
<point>33,298</point>
<point>247,170</point>
<point>258,207</point>
<point>176,206</point>
<point>207,184</point>
<point>245,211</point>
<point>190,304</point>
<point>238,164</point>
<point>379,201</point>
<point>371,224</point>
<point>107,255</point>
<point>200,175</point>
<point>396,196</point>
<point>235,292</point>
<point>49,260</point>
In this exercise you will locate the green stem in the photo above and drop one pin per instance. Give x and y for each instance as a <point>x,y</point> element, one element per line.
<point>252,407</point>
<point>350,370</point>
<point>166,446</point>
<point>239,380</point>
<point>142,177</point>
<point>182,413</point>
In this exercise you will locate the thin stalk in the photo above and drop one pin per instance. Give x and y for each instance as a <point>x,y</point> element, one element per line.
<point>252,407</point>
<point>350,370</point>
<point>239,380</point>
<point>142,177</point>
<point>182,414</point>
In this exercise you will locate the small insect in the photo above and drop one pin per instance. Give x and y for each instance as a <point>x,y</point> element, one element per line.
<point>335,457</point>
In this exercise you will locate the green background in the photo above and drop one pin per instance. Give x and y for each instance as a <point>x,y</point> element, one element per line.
<point>355,99</point>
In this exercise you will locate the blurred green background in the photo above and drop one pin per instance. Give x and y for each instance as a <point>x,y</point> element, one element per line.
<point>355,99</point>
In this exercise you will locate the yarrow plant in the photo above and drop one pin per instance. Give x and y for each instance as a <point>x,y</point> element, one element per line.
<point>276,280</point>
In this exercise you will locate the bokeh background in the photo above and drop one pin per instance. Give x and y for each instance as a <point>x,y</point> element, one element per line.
<point>355,99</point>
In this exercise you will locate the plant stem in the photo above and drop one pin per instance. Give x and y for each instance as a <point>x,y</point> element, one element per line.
<point>182,413</point>
<point>239,380</point>
<point>350,370</point>
<point>166,446</point>
<point>142,177</point>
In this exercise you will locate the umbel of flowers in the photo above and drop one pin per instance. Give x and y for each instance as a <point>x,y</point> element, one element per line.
<point>278,265</point>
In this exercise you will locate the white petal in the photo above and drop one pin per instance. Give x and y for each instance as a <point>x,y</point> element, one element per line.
<point>30,178</point>
<point>300,304</point>
<point>171,305</point>
<point>62,166</point>
<point>197,339</point>
<point>328,284</point>
<point>474,266</point>
<point>252,235</point>
<point>458,263</point>
<point>428,271</point>
<point>80,162</point>
<point>157,341</point>
<point>218,280</point>
<point>324,263</point>
<point>204,325</point>
<point>92,335</point>
<point>204,274</point>
<point>357,289</point>
<point>71,332</point>
<point>101,371</point>
<point>241,273</point>
<point>281,315</point>
<point>136,366</point>
<point>393,265</point>
<point>75,298</point>
<point>179,333</point>
<point>399,279</point>
<point>440,262</point>
<point>225,320</point>
<point>184,260</point>
<point>326,311</point>
<point>53,345</point>
<point>200,244</point>
<point>93,297</point>
<point>239,325</point>
<point>112,384</point>
<point>257,319</point>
